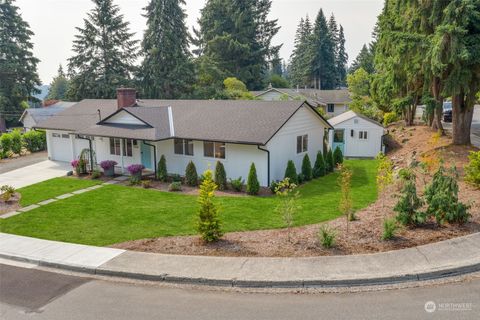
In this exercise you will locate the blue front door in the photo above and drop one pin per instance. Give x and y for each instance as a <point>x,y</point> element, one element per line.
<point>339,140</point>
<point>146,155</point>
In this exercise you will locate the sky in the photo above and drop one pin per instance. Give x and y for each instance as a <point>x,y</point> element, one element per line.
<point>54,22</point>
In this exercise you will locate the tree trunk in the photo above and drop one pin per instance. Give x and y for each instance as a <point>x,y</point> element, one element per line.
<point>461,120</point>
<point>438,112</point>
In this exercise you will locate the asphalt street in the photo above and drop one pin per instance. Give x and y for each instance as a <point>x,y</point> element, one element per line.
<point>475,130</point>
<point>28,293</point>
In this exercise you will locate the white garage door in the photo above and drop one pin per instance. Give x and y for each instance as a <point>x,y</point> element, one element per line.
<point>61,147</point>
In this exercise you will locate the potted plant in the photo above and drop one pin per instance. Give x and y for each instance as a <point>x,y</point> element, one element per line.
<point>108,167</point>
<point>135,171</point>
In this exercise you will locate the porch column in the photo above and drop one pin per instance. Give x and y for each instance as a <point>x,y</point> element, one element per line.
<point>121,155</point>
<point>72,145</point>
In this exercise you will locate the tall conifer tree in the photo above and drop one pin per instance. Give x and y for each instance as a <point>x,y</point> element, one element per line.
<point>104,54</point>
<point>324,69</point>
<point>59,86</point>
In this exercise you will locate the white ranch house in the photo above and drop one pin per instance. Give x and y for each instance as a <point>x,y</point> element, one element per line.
<point>237,133</point>
<point>356,135</point>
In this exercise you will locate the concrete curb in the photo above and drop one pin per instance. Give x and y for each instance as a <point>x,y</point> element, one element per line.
<point>164,268</point>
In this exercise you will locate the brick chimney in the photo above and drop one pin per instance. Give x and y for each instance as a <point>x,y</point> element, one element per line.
<point>126,97</point>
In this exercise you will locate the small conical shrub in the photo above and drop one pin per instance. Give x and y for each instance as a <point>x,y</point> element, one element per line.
<point>291,172</point>
<point>220,176</point>
<point>253,186</point>
<point>208,225</point>
<point>191,176</point>
<point>162,169</point>
<point>307,168</point>
<point>329,162</point>
<point>337,156</point>
<point>319,167</point>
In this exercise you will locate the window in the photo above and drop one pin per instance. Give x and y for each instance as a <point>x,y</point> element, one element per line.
<point>338,136</point>
<point>183,146</point>
<point>352,133</point>
<point>362,135</point>
<point>355,121</point>
<point>302,143</point>
<point>127,147</point>
<point>55,135</point>
<point>214,149</point>
<point>330,107</point>
<point>65,136</point>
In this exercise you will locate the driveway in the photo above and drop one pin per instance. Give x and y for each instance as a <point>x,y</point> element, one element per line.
<point>23,161</point>
<point>34,173</point>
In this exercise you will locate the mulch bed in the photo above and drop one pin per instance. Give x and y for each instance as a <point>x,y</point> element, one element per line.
<point>10,205</point>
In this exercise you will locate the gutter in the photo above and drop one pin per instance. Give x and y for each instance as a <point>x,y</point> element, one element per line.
<point>91,151</point>
<point>154,156</point>
<point>268,164</point>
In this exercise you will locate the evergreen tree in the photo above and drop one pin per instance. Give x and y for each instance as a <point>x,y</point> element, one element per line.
<point>307,168</point>
<point>324,70</point>
<point>253,186</point>
<point>337,156</point>
<point>162,174</point>
<point>104,53</point>
<point>363,60</point>
<point>341,59</point>
<point>191,176</point>
<point>220,176</point>
<point>59,86</point>
<point>18,66</point>
<point>300,67</point>
<point>319,169</point>
<point>166,71</point>
<point>208,225</point>
<point>291,172</point>
<point>329,161</point>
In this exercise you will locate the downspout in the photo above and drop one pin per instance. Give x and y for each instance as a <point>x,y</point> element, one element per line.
<point>268,164</point>
<point>91,151</point>
<point>154,156</point>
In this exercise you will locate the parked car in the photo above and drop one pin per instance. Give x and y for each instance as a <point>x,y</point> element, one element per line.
<point>447,112</point>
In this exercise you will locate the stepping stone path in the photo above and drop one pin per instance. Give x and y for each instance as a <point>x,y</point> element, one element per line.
<point>60,197</point>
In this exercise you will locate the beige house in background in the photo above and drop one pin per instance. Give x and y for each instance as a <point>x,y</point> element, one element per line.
<point>333,102</point>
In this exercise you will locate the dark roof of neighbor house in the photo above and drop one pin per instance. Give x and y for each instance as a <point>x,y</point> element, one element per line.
<point>41,114</point>
<point>236,121</point>
<point>323,97</point>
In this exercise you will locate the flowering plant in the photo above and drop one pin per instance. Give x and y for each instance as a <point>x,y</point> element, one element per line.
<point>135,168</point>
<point>74,163</point>
<point>108,164</point>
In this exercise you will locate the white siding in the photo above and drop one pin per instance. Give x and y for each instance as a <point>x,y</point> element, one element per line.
<point>283,146</point>
<point>124,117</point>
<point>338,109</point>
<point>355,147</point>
<point>102,149</point>
<point>59,145</point>
<point>238,158</point>
<point>28,122</point>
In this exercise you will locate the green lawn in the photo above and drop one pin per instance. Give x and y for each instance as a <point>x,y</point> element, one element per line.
<point>117,213</point>
<point>52,188</point>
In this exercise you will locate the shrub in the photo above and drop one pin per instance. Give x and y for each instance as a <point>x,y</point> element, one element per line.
<point>108,164</point>
<point>441,196</point>
<point>291,172</point>
<point>300,178</point>
<point>96,174</point>
<point>344,182</point>
<point>319,166</point>
<point>191,176</point>
<point>7,192</point>
<point>162,174</point>
<point>287,206</point>
<point>175,186</point>
<point>34,141</point>
<point>329,163</point>
<point>326,236</point>
<point>134,180</point>
<point>307,168</point>
<point>389,229</point>
<point>220,176</point>
<point>237,184</point>
<point>472,169</point>
<point>16,142</point>
<point>253,186</point>
<point>208,224</point>
<point>5,144</point>
<point>337,156</point>
<point>389,117</point>
<point>146,184</point>
<point>409,203</point>
<point>176,177</point>
<point>274,185</point>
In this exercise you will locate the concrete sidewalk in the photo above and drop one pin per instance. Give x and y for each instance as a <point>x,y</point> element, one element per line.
<point>451,257</point>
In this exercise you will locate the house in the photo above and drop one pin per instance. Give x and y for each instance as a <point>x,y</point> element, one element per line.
<point>333,102</point>
<point>32,116</point>
<point>356,135</point>
<point>130,131</point>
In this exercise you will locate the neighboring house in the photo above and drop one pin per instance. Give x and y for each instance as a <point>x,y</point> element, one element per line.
<point>32,116</point>
<point>130,131</point>
<point>333,102</point>
<point>356,135</point>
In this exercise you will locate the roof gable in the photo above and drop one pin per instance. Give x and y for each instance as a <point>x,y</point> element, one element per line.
<point>122,116</point>
<point>349,115</point>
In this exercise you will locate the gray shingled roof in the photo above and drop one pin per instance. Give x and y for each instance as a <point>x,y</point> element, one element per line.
<point>241,121</point>
<point>316,96</point>
<point>41,114</point>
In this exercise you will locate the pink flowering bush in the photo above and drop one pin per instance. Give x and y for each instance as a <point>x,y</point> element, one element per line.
<point>135,169</point>
<point>74,163</point>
